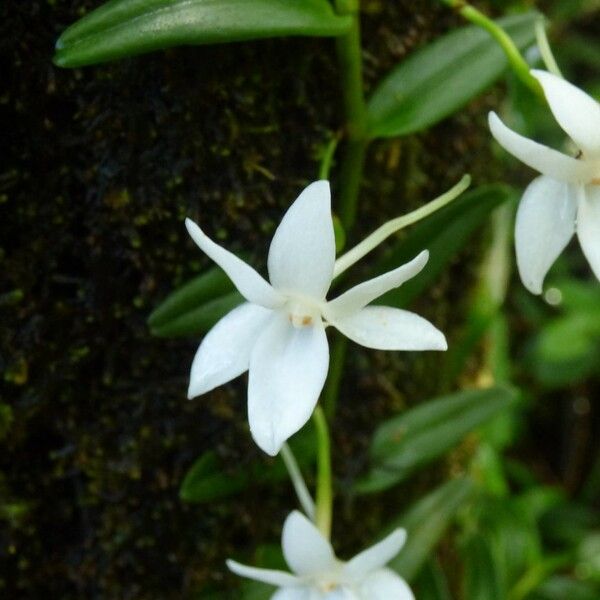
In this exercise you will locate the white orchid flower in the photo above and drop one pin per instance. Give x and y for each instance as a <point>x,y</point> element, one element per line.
<point>279,333</point>
<point>319,575</point>
<point>566,198</point>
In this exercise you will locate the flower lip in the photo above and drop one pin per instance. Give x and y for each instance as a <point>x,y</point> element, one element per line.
<point>301,310</point>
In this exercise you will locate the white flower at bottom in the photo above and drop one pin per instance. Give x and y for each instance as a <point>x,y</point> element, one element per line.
<point>319,575</point>
<point>278,335</point>
<point>566,198</point>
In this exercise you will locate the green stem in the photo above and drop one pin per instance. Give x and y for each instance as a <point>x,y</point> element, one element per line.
<point>336,370</point>
<point>351,177</point>
<point>515,58</point>
<point>327,158</point>
<point>324,507</point>
<point>348,49</point>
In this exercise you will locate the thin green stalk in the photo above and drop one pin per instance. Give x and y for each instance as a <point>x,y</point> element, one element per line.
<point>324,507</point>
<point>515,58</point>
<point>348,49</point>
<point>350,178</point>
<point>327,159</point>
<point>336,370</point>
<point>304,497</point>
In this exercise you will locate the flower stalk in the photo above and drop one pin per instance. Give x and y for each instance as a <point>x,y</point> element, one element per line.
<point>304,497</point>
<point>324,506</point>
<point>517,63</point>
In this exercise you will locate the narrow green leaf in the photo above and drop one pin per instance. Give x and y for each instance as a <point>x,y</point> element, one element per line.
<point>432,583</point>
<point>200,319</point>
<point>207,481</point>
<point>444,234</point>
<point>482,580</point>
<point>426,523</point>
<point>405,443</point>
<point>438,79</point>
<point>209,285</point>
<point>560,587</point>
<point>122,28</point>
<point>567,349</point>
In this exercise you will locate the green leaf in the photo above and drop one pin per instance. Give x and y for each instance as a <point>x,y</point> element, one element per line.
<point>444,233</point>
<point>513,537</point>
<point>426,522</point>
<point>482,580</point>
<point>195,307</point>
<point>560,587</point>
<point>567,349</point>
<point>432,583</point>
<point>199,320</point>
<point>206,480</point>
<point>440,78</point>
<point>122,28</point>
<point>405,443</point>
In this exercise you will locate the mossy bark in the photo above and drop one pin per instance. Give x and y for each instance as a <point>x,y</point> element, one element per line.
<point>101,166</point>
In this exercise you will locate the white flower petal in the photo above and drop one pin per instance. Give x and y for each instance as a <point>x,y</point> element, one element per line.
<point>225,350</point>
<point>288,367</point>
<point>588,226</point>
<point>576,112</point>
<point>250,284</point>
<point>376,556</point>
<point>359,296</point>
<point>305,549</point>
<point>270,576</point>
<point>385,585</point>
<point>545,224</point>
<point>385,328</point>
<point>541,158</point>
<point>296,593</point>
<point>341,593</point>
<point>302,253</point>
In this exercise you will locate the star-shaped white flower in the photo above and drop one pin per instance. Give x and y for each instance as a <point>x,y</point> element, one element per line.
<point>319,575</point>
<point>279,333</point>
<point>566,198</point>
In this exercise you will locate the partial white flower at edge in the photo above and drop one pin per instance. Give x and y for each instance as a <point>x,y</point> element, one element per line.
<point>566,198</point>
<point>319,575</point>
<point>279,333</point>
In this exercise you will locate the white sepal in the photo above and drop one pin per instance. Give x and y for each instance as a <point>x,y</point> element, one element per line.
<point>302,253</point>
<point>539,157</point>
<point>377,556</point>
<point>249,283</point>
<point>576,112</point>
<point>588,226</point>
<point>225,350</point>
<point>288,367</point>
<point>385,328</point>
<point>305,549</point>
<point>545,223</point>
<point>270,576</point>
<point>364,293</point>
